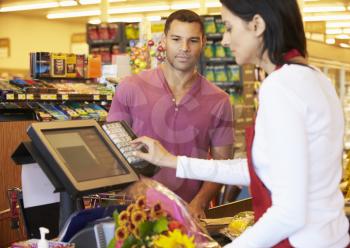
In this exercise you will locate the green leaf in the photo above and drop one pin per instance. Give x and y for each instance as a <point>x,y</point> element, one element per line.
<point>129,242</point>
<point>161,225</point>
<point>111,244</point>
<point>115,217</point>
<point>146,229</point>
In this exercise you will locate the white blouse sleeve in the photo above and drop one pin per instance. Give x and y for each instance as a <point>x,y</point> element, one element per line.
<point>281,118</point>
<point>234,172</point>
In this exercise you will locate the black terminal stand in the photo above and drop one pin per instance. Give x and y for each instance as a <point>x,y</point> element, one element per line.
<point>55,214</point>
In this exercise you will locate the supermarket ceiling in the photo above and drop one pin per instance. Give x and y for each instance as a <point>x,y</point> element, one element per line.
<point>328,20</point>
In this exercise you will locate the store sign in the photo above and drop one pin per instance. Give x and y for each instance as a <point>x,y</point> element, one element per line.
<point>315,27</point>
<point>4,48</point>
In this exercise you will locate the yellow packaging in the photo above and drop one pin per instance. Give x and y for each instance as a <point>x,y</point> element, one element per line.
<point>71,65</point>
<point>58,65</point>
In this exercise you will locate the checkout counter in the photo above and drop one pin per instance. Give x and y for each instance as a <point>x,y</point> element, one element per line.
<point>67,154</point>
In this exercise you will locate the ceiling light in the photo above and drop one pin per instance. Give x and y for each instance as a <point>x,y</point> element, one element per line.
<point>343,37</point>
<point>330,41</point>
<point>73,14</point>
<point>338,25</point>
<point>85,2</point>
<point>138,9</point>
<point>154,18</point>
<point>68,3</point>
<point>344,45</point>
<point>327,18</point>
<point>185,6</point>
<point>324,9</point>
<point>29,6</point>
<point>213,5</point>
<point>334,31</point>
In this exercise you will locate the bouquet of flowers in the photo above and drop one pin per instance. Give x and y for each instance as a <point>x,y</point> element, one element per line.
<point>158,218</point>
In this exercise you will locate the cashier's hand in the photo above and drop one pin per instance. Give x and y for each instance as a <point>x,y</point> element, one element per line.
<point>156,154</point>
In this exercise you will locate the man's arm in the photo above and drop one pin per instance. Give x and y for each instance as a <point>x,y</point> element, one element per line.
<point>208,189</point>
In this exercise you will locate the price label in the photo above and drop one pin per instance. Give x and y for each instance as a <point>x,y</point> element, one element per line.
<point>10,97</point>
<point>48,97</point>
<point>30,97</point>
<point>65,97</point>
<point>21,96</point>
<point>109,97</point>
<point>96,97</point>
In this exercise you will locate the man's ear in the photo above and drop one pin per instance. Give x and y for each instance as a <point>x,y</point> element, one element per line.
<point>163,40</point>
<point>258,25</point>
<point>204,41</point>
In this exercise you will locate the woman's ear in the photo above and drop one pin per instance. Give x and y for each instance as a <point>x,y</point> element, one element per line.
<point>258,25</point>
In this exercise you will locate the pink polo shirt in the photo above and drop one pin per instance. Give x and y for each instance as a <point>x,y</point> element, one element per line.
<point>202,119</point>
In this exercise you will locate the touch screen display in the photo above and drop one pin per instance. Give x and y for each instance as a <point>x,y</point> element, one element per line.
<point>85,153</point>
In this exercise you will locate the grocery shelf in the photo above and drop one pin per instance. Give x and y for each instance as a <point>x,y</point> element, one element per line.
<point>57,97</point>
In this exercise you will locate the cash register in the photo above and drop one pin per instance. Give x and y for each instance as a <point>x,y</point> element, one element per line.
<point>81,157</point>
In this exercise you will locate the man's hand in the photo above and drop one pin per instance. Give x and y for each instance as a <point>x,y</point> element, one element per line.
<point>197,209</point>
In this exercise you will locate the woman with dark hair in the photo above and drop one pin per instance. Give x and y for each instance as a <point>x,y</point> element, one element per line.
<point>294,150</point>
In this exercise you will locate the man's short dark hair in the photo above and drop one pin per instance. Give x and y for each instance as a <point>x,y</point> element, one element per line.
<point>184,15</point>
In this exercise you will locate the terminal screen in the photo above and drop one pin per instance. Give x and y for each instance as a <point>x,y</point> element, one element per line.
<point>85,153</point>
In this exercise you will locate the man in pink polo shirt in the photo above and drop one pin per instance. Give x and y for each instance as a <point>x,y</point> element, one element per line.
<point>177,106</point>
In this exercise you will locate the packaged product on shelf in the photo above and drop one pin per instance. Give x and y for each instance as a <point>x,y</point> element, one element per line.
<point>132,31</point>
<point>68,111</point>
<point>209,49</point>
<point>80,67</point>
<point>94,66</point>
<point>58,65</point>
<point>113,29</point>
<point>55,112</point>
<point>209,25</point>
<point>220,26</point>
<point>228,52</point>
<point>209,73</point>
<point>116,50</point>
<point>92,32</point>
<point>219,50</point>
<point>106,55</point>
<point>220,73</point>
<point>103,31</point>
<point>79,110</point>
<point>41,64</point>
<point>233,73</point>
<point>71,65</point>
<point>99,110</point>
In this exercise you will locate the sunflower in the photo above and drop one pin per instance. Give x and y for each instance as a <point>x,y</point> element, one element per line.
<point>141,202</point>
<point>131,208</point>
<point>175,239</point>
<point>138,216</point>
<point>123,218</point>
<point>157,211</point>
<point>121,233</point>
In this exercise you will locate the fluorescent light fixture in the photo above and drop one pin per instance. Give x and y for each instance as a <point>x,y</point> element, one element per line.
<point>154,18</point>
<point>334,31</point>
<point>330,41</point>
<point>94,21</point>
<point>326,18</point>
<point>138,9</point>
<point>324,9</point>
<point>85,2</point>
<point>213,5</point>
<point>338,24</point>
<point>29,6</point>
<point>73,14</point>
<point>343,37</point>
<point>344,45</point>
<point>68,3</point>
<point>185,6</point>
<point>117,19</point>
